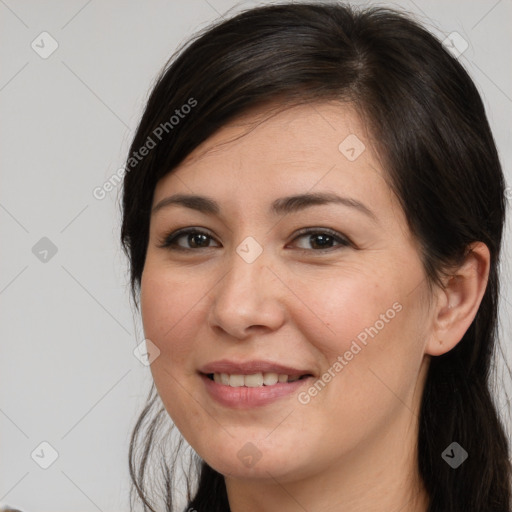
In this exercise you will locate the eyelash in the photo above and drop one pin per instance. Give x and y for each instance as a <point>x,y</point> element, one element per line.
<point>169,240</point>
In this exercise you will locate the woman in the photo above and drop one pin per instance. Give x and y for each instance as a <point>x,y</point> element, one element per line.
<point>313,211</point>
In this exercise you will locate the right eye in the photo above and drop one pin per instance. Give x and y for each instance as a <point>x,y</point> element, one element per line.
<point>196,238</point>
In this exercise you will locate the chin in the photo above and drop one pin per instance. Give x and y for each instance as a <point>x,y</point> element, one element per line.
<point>261,463</point>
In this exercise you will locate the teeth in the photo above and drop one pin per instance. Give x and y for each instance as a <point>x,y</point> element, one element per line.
<point>236,381</point>
<point>269,379</point>
<point>252,381</point>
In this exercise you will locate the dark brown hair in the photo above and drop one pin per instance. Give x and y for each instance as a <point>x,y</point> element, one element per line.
<point>440,158</point>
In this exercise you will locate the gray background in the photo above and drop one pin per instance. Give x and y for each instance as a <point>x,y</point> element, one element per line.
<point>68,373</point>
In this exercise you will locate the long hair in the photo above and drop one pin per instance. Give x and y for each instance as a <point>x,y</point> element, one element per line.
<point>440,159</point>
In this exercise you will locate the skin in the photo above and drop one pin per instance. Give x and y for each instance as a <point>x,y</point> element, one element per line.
<point>352,447</point>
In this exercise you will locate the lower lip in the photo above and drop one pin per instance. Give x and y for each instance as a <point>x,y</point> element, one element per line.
<point>244,397</point>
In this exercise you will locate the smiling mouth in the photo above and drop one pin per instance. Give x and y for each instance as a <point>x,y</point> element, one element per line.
<point>253,380</point>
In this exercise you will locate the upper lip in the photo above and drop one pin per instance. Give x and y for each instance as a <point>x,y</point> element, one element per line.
<point>251,367</point>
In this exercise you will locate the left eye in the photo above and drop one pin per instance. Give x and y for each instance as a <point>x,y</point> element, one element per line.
<point>197,239</point>
<point>323,239</point>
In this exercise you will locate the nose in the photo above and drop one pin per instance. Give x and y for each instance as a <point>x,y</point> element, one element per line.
<point>248,299</point>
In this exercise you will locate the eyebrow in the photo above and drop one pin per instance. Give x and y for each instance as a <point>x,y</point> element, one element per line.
<point>280,206</point>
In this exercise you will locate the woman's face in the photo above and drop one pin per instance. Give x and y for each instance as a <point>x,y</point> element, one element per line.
<point>344,304</point>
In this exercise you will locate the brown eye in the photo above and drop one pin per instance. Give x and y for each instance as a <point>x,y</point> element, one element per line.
<point>322,240</point>
<point>316,240</point>
<point>194,239</point>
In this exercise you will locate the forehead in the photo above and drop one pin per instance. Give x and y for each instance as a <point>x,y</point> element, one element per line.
<point>308,130</point>
<point>266,155</point>
<point>299,146</point>
<point>252,162</point>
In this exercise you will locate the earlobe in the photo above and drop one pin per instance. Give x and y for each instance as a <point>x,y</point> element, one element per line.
<point>459,300</point>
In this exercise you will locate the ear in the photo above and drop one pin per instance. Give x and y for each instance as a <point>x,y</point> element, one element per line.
<point>458,301</point>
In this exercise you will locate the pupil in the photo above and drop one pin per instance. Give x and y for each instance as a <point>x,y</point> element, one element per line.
<point>193,238</point>
<point>325,238</point>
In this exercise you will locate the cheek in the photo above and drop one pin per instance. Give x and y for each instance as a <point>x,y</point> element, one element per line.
<point>347,308</point>
<point>170,309</point>
<point>167,307</point>
<point>365,327</point>
<point>370,362</point>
